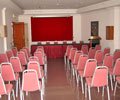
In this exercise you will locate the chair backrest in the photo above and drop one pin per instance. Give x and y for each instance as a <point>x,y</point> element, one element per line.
<point>81,41</point>
<point>33,58</point>
<point>98,47</point>
<point>26,54</point>
<point>47,42</point>
<point>16,64</point>
<point>108,61</point>
<point>30,81</point>
<point>21,56</point>
<point>78,53</point>
<point>100,77</point>
<point>68,50</point>
<point>82,61</point>
<point>116,70</point>
<point>3,58</point>
<point>40,47</point>
<point>89,67</point>
<point>40,50</point>
<point>9,54</point>
<point>72,53</point>
<point>40,57</point>
<point>35,65</point>
<point>14,50</point>
<point>2,86</point>
<point>99,57</point>
<point>91,54</point>
<point>84,48</point>
<point>116,55</point>
<point>73,42</point>
<point>7,72</point>
<point>55,42</point>
<point>27,51</point>
<point>106,50</point>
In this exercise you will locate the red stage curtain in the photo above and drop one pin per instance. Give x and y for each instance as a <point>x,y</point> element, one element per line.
<point>52,29</point>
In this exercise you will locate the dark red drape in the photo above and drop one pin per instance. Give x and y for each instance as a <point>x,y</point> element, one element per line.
<point>52,29</point>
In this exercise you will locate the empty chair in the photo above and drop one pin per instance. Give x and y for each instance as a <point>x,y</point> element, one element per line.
<point>116,55</point>
<point>8,74</point>
<point>91,54</point>
<point>99,57</point>
<point>47,42</point>
<point>22,58</point>
<point>35,65</point>
<point>34,58</point>
<point>84,48</point>
<point>67,52</point>
<point>81,41</point>
<point>40,47</point>
<point>16,64</point>
<point>41,61</point>
<point>9,54</point>
<point>73,42</point>
<point>27,51</point>
<point>72,54</point>
<point>30,83</point>
<point>108,62</point>
<point>98,47</point>
<point>3,58</point>
<point>26,54</point>
<point>80,68</point>
<point>14,50</point>
<point>101,73</point>
<point>6,89</point>
<point>78,53</point>
<point>106,50</point>
<point>55,42</point>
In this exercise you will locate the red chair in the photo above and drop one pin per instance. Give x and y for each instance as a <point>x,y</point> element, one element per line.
<point>3,58</point>
<point>47,42</point>
<point>116,55</point>
<point>84,48</point>
<point>81,41</point>
<point>98,47</point>
<point>99,57</point>
<point>106,50</point>
<point>41,61</point>
<point>73,42</point>
<point>26,54</point>
<point>21,56</point>
<point>71,56</point>
<point>99,79</point>
<point>91,54</point>
<point>40,47</point>
<point>6,89</point>
<point>34,58</point>
<point>30,83</point>
<point>78,53</point>
<point>9,54</point>
<point>55,42</point>
<point>14,50</point>
<point>8,74</point>
<point>108,62</point>
<point>64,42</point>
<point>35,65</point>
<point>88,71</point>
<point>67,53</point>
<point>16,65</point>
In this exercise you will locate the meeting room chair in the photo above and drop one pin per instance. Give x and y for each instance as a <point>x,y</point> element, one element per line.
<point>106,50</point>
<point>91,54</point>
<point>3,58</point>
<point>84,48</point>
<point>14,50</point>
<point>6,89</point>
<point>9,54</point>
<point>116,55</point>
<point>98,47</point>
<point>30,83</point>
<point>100,73</point>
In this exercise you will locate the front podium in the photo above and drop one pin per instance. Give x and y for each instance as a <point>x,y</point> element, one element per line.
<point>94,40</point>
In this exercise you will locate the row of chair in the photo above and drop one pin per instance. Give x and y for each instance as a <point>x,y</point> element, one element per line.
<point>15,65</point>
<point>78,62</point>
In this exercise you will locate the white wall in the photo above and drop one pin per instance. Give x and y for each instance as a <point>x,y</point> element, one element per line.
<point>105,18</point>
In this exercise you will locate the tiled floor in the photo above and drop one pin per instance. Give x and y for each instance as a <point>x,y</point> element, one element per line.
<point>60,85</point>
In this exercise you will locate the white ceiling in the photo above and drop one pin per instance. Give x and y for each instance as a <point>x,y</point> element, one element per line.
<point>54,4</point>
